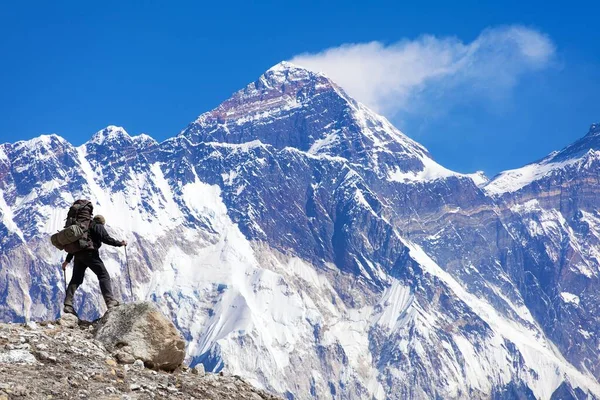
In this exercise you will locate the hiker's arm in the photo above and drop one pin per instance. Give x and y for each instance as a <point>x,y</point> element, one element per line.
<point>106,238</point>
<point>67,261</point>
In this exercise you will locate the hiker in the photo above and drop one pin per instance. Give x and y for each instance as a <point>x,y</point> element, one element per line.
<point>91,258</point>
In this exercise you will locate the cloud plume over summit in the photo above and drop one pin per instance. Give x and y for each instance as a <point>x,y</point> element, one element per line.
<point>389,77</point>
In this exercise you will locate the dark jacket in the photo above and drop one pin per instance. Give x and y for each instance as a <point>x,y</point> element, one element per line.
<point>99,235</point>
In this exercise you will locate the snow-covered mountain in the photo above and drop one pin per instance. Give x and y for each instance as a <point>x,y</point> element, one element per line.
<point>300,240</point>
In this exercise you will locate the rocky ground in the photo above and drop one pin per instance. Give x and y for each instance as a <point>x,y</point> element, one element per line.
<point>63,360</point>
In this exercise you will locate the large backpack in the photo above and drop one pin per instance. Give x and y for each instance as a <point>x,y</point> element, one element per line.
<point>75,235</point>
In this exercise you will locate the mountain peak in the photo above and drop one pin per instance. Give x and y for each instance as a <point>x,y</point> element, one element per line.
<point>285,66</point>
<point>42,140</point>
<point>286,73</point>
<point>580,152</point>
<point>594,130</point>
<point>109,134</point>
<point>291,106</point>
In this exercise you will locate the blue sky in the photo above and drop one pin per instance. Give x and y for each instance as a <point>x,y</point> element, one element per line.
<point>73,68</point>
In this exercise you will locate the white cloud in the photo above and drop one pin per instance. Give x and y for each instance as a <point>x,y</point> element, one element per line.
<point>389,78</point>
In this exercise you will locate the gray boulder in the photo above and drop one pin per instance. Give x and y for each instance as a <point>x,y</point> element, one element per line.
<point>145,333</point>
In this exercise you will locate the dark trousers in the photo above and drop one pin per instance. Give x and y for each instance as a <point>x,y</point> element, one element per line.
<point>89,259</point>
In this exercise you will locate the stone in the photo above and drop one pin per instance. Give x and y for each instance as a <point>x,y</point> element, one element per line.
<point>17,357</point>
<point>199,370</point>
<point>45,357</point>
<point>111,362</point>
<point>138,364</point>
<point>69,321</point>
<point>124,357</point>
<point>149,334</point>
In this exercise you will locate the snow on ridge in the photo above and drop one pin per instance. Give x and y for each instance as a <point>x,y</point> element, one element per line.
<point>144,137</point>
<point>3,155</point>
<point>431,171</point>
<point>44,140</point>
<point>244,147</point>
<point>111,132</point>
<point>479,178</point>
<point>428,173</point>
<point>539,353</point>
<point>516,179</point>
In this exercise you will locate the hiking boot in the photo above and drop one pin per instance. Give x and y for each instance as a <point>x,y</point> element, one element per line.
<point>110,304</point>
<point>68,309</point>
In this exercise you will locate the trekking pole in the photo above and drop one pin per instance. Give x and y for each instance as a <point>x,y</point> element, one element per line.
<point>65,279</point>
<point>128,272</point>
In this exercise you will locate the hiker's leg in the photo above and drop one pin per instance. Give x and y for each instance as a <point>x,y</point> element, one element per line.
<point>97,266</point>
<point>76,280</point>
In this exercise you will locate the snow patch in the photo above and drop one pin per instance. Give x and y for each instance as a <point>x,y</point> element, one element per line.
<point>569,298</point>
<point>431,171</point>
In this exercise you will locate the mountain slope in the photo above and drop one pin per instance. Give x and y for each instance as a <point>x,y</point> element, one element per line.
<point>299,240</point>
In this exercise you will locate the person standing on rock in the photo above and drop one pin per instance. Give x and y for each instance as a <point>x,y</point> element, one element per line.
<point>91,258</point>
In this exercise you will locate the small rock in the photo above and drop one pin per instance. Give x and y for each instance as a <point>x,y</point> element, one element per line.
<point>69,321</point>
<point>134,386</point>
<point>73,382</point>
<point>111,362</point>
<point>110,389</point>
<point>124,357</point>
<point>44,356</point>
<point>199,370</point>
<point>138,364</point>
<point>41,346</point>
<point>31,325</point>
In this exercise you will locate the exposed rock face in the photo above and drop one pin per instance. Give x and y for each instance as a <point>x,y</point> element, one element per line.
<point>62,361</point>
<point>140,330</point>
<point>298,239</point>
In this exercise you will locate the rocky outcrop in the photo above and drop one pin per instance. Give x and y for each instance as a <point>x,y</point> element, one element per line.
<point>140,331</point>
<point>62,360</point>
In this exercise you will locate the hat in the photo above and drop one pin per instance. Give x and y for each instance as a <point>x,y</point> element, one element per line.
<point>99,219</point>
